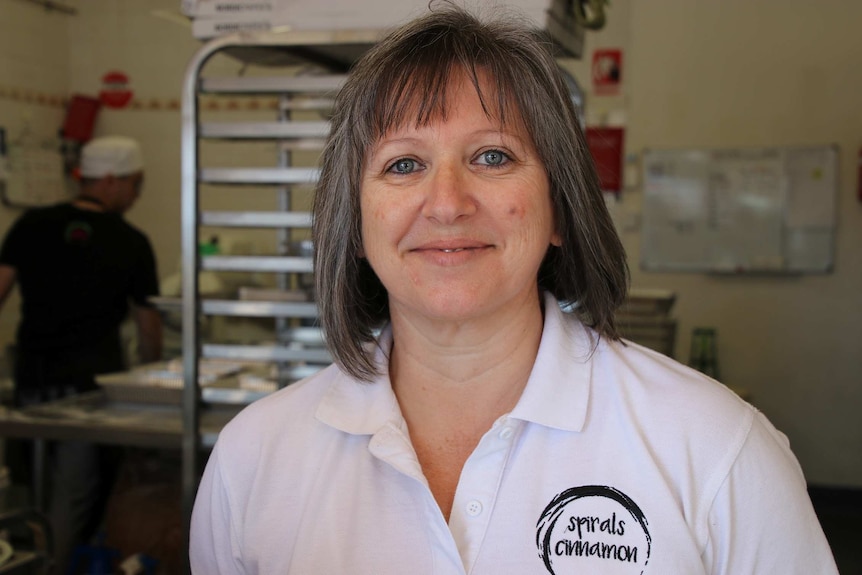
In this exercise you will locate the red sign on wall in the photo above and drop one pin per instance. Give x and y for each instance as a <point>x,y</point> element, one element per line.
<point>607,70</point>
<point>606,146</point>
<point>115,91</point>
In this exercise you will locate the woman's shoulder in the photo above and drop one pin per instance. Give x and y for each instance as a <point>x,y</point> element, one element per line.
<point>657,377</point>
<point>627,371</point>
<point>673,404</point>
<point>283,411</point>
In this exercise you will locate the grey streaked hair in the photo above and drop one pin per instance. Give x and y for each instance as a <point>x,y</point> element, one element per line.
<point>405,78</point>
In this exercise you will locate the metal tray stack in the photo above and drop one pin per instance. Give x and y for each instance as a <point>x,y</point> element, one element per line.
<point>221,381</point>
<point>645,319</point>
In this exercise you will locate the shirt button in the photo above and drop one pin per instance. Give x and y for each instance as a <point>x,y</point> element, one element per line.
<point>474,508</point>
<point>506,433</point>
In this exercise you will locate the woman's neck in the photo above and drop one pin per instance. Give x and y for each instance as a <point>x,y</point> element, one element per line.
<point>458,367</point>
<point>453,382</point>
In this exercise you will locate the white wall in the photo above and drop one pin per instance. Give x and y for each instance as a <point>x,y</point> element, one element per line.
<point>154,51</point>
<point>769,73</point>
<point>738,73</point>
<point>33,68</point>
<point>695,74</point>
<point>127,35</point>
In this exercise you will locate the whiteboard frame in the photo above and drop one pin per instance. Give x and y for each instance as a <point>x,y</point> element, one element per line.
<point>765,210</point>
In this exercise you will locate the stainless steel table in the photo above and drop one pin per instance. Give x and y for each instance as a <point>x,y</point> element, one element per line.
<point>94,417</point>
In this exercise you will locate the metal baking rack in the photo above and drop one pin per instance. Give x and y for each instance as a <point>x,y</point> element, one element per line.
<point>332,52</point>
<point>296,129</point>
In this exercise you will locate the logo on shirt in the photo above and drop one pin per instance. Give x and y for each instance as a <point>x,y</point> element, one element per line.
<point>78,233</point>
<point>591,529</point>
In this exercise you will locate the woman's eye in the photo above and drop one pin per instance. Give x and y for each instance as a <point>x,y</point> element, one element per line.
<point>493,158</point>
<point>403,166</point>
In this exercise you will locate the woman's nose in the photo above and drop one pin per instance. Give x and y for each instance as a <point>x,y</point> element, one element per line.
<point>449,197</point>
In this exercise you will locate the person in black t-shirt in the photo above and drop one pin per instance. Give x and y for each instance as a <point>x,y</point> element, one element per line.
<point>81,268</point>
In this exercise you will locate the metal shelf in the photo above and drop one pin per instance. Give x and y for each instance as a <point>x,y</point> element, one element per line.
<point>265,130</point>
<point>243,308</point>
<point>257,219</point>
<point>300,349</point>
<point>272,85</point>
<point>266,353</point>
<point>259,176</point>
<point>335,50</point>
<point>317,104</point>
<point>260,309</point>
<point>283,264</point>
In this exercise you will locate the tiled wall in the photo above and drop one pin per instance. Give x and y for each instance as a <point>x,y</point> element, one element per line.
<point>34,79</point>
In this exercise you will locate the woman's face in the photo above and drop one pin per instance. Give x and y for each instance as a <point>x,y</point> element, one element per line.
<point>457,214</point>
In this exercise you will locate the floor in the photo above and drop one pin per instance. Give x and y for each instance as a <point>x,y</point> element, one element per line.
<point>840,514</point>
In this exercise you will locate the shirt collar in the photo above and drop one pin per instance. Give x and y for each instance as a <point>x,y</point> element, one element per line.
<point>359,407</point>
<point>556,394</point>
<point>558,390</point>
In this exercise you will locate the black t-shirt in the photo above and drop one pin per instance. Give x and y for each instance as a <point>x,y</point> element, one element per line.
<point>77,271</point>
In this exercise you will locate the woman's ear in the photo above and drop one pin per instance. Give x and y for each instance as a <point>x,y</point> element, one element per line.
<point>556,240</point>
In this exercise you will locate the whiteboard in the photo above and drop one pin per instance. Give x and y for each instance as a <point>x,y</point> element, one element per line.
<point>35,177</point>
<point>740,210</point>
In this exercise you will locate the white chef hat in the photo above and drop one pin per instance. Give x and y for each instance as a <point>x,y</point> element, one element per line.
<point>114,155</point>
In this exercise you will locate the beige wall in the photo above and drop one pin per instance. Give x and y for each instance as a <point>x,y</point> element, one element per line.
<point>126,35</point>
<point>768,73</point>
<point>738,73</point>
<point>33,63</point>
<point>696,73</point>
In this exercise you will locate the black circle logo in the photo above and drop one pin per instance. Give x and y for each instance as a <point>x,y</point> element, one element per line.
<point>586,527</point>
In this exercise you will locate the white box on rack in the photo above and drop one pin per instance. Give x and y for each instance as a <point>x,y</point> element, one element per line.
<point>205,28</point>
<point>216,17</point>
<point>225,8</point>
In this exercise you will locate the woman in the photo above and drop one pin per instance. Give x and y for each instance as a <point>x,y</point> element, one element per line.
<point>483,430</point>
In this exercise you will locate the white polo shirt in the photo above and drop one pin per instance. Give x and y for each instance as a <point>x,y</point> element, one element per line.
<point>615,462</point>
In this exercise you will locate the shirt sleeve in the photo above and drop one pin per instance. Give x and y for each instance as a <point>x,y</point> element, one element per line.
<point>213,547</point>
<point>762,519</point>
<point>14,242</point>
<point>145,282</point>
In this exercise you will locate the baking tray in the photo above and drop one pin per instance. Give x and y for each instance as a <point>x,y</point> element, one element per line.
<point>162,383</point>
